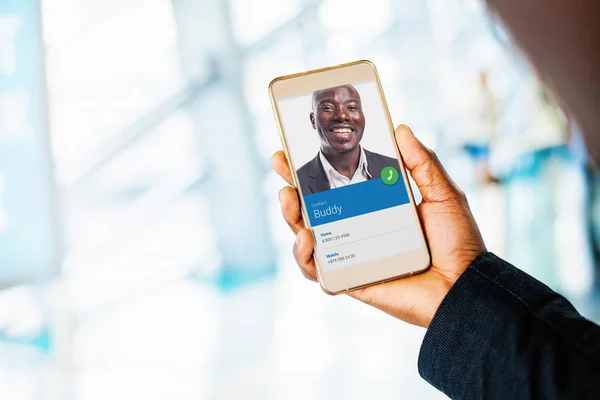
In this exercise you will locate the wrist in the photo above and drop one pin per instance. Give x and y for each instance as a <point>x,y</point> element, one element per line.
<point>437,295</point>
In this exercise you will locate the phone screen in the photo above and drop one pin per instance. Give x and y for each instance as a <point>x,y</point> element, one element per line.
<point>350,179</point>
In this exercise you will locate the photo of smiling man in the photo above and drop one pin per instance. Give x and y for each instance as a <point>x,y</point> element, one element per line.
<point>338,118</point>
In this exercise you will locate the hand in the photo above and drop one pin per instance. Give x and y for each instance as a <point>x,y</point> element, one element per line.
<point>453,236</point>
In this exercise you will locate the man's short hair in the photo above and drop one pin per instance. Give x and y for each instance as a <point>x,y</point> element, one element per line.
<point>314,95</point>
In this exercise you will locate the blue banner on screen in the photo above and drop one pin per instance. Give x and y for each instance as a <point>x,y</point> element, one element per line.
<point>353,200</point>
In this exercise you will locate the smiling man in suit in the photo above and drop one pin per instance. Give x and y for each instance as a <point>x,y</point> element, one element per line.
<point>338,118</point>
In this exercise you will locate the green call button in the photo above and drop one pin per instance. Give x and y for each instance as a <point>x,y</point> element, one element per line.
<point>389,175</point>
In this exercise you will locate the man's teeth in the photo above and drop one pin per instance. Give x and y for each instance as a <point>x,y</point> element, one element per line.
<point>342,130</point>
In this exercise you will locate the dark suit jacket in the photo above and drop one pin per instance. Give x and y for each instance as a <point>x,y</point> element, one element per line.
<point>313,179</point>
<point>501,334</point>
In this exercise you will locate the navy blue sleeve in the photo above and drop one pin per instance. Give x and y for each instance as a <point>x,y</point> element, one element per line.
<point>501,334</point>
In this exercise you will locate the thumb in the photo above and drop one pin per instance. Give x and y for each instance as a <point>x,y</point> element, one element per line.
<point>425,168</point>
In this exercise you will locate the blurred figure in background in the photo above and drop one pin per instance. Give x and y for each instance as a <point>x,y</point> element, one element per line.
<point>483,129</point>
<point>592,197</point>
<point>536,150</point>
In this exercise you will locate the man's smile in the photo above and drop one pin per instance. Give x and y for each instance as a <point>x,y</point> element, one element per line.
<point>342,132</point>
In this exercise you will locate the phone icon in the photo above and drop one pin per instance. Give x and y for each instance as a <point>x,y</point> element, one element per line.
<point>389,175</point>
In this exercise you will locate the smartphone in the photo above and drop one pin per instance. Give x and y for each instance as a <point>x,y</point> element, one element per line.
<point>338,137</point>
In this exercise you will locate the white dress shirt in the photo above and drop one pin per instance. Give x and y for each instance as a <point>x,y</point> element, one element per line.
<point>337,180</point>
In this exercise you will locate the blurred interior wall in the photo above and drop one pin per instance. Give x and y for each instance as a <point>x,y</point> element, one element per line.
<point>225,131</point>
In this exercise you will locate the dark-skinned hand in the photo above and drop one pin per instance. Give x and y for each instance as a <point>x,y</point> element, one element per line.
<point>453,236</point>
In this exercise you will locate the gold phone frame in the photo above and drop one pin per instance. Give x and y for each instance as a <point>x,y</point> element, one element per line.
<point>370,273</point>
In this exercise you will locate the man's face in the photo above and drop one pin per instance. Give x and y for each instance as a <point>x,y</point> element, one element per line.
<point>338,118</point>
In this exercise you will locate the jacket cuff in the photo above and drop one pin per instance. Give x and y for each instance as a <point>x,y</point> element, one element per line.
<point>463,328</point>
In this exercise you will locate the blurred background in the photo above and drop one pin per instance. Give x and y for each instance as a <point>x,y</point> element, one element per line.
<point>142,254</point>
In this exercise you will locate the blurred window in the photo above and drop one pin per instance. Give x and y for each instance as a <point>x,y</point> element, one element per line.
<point>109,63</point>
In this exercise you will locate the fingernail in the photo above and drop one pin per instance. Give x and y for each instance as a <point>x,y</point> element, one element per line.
<point>298,240</point>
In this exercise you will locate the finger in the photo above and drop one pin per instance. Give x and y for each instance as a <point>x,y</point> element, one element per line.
<point>280,165</point>
<point>425,168</point>
<point>303,253</point>
<point>290,208</point>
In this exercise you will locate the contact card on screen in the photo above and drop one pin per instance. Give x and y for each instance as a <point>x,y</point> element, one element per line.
<point>367,237</point>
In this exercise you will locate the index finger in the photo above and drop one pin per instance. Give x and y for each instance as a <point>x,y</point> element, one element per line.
<point>280,165</point>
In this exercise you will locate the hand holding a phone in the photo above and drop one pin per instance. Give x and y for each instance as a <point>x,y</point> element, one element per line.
<point>453,236</point>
